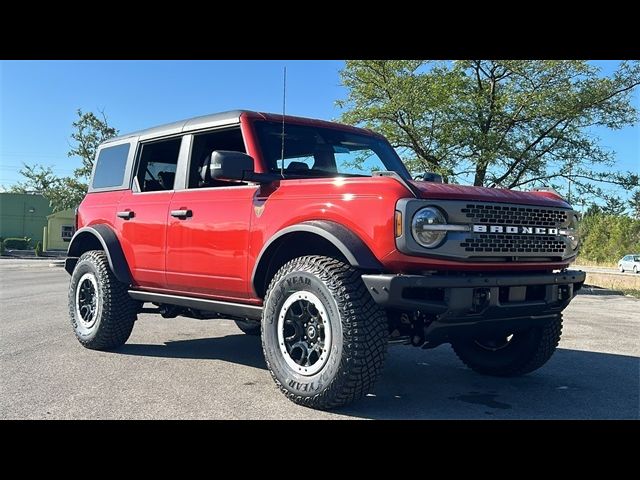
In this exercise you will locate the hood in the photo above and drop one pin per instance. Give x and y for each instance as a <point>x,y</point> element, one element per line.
<point>430,190</point>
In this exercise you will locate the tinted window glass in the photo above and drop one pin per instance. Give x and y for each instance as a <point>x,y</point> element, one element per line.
<point>203,145</point>
<point>157,167</point>
<point>110,166</point>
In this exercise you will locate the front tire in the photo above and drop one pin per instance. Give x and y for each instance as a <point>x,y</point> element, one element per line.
<point>635,269</point>
<point>324,338</point>
<point>512,355</point>
<point>102,313</point>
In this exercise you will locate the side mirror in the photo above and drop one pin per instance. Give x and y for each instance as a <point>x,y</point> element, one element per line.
<point>227,165</point>
<point>429,177</point>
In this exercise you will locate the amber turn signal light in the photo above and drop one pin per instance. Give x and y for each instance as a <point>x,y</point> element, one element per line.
<point>398,223</point>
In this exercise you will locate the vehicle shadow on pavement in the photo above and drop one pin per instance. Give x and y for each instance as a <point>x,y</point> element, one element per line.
<point>434,384</point>
<point>240,349</point>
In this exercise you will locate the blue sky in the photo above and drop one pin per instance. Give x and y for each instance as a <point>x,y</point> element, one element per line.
<point>38,100</point>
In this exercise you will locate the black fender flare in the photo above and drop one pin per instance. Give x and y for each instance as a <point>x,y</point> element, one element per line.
<point>110,244</point>
<point>347,242</point>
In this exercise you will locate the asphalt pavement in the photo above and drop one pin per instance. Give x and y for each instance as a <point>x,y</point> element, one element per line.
<point>184,368</point>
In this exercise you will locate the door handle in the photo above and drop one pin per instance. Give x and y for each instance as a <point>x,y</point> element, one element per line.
<point>181,213</point>
<point>127,214</point>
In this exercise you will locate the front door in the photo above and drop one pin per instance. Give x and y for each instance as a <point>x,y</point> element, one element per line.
<point>142,212</point>
<point>207,241</point>
<point>208,227</point>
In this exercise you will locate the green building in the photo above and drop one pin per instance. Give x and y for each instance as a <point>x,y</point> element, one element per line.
<point>23,215</point>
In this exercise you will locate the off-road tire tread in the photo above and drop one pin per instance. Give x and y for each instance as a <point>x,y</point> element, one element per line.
<point>365,332</point>
<point>119,310</point>
<point>547,344</point>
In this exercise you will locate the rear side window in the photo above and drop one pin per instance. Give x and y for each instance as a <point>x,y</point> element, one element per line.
<point>157,165</point>
<point>110,166</point>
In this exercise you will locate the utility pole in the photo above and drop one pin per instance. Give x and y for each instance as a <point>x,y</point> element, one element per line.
<point>569,180</point>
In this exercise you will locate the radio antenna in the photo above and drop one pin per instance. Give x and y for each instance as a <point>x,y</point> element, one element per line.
<point>284,104</point>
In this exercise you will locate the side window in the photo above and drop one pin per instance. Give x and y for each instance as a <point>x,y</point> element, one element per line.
<point>110,166</point>
<point>157,165</point>
<point>203,145</point>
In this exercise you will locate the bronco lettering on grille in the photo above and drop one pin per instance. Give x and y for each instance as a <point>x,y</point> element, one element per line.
<point>516,230</point>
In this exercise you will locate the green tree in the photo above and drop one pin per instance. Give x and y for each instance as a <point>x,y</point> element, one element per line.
<point>90,131</point>
<point>635,204</point>
<point>62,192</point>
<point>497,123</point>
<point>613,206</point>
<point>606,238</point>
<point>67,192</point>
<point>593,209</point>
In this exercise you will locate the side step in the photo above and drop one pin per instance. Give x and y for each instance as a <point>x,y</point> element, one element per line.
<point>223,308</point>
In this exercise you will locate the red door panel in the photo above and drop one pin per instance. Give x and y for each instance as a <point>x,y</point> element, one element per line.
<point>144,235</point>
<point>97,208</point>
<point>207,251</point>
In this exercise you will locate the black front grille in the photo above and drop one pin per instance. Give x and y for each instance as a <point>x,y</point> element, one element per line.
<point>514,244</point>
<point>511,215</point>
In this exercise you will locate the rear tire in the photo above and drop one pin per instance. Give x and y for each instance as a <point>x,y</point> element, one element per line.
<point>621,269</point>
<point>249,327</point>
<point>102,313</point>
<point>324,338</point>
<point>525,352</point>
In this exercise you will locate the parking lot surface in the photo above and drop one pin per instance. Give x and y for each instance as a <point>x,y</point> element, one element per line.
<point>186,369</point>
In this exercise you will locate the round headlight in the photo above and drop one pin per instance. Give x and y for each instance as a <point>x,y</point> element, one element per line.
<point>573,234</point>
<point>422,227</point>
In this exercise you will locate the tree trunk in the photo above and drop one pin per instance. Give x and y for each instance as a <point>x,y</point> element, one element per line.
<point>481,172</point>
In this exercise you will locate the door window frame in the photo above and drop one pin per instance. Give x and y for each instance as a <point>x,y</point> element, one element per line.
<point>187,161</point>
<point>178,181</point>
<point>128,172</point>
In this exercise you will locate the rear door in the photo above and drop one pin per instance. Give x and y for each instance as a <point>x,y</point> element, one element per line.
<point>142,212</point>
<point>209,223</point>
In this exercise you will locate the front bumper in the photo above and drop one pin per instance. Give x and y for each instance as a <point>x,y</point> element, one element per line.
<point>469,304</point>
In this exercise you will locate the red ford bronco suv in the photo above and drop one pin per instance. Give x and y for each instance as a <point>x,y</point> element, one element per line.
<point>315,236</point>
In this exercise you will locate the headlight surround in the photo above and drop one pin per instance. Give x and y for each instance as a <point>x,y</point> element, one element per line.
<point>424,217</point>
<point>573,234</point>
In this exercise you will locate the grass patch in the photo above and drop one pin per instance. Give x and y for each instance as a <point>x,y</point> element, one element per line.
<point>629,284</point>
<point>578,263</point>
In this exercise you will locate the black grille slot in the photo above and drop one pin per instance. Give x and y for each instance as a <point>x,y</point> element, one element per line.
<point>510,215</point>
<point>517,243</point>
<point>502,243</point>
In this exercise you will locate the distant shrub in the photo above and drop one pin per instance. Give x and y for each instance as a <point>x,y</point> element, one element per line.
<point>17,243</point>
<point>38,249</point>
<point>607,238</point>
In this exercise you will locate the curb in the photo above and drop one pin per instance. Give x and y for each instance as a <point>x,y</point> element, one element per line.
<point>591,290</point>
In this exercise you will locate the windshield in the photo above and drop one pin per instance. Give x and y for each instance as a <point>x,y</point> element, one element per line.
<point>311,151</point>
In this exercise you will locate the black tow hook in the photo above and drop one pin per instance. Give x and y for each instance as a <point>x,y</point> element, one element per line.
<point>481,299</point>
